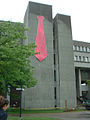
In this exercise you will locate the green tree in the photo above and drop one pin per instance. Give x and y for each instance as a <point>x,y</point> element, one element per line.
<point>88,82</point>
<point>15,67</point>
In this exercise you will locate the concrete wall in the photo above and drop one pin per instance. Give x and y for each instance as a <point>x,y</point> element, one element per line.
<point>42,95</point>
<point>66,86</point>
<point>81,63</point>
<point>56,73</point>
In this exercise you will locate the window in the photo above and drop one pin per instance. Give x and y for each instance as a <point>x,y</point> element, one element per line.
<point>73,47</point>
<point>54,92</point>
<point>86,59</point>
<point>83,58</point>
<point>80,58</point>
<point>54,44</point>
<point>76,58</point>
<point>82,48</point>
<point>54,75</point>
<point>78,48</point>
<point>88,50</point>
<point>54,60</point>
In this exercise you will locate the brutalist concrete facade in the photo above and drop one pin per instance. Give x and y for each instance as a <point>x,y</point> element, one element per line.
<point>42,95</point>
<point>65,77</point>
<point>55,74</point>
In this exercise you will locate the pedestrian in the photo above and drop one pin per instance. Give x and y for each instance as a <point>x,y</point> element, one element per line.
<point>3,107</point>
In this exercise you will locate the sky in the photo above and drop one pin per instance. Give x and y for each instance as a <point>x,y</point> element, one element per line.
<point>79,10</point>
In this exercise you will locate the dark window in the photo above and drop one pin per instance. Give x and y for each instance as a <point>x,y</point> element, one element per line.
<point>54,60</point>
<point>54,75</point>
<point>79,58</point>
<point>55,92</point>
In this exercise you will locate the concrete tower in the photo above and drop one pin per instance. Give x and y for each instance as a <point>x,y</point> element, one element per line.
<point>64,63</point>
<point>56,73</point>
<point>42,95</point>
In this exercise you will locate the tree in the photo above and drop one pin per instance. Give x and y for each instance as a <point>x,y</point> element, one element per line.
<point>15,67</point>
<point>88,82</point>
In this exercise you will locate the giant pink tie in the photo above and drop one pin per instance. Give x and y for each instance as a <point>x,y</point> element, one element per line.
<point>40,40</point>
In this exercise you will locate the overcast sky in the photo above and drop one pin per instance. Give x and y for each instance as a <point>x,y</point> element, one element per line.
<point>79,10</point>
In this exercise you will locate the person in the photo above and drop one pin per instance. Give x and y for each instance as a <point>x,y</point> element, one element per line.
<point>3,107</point>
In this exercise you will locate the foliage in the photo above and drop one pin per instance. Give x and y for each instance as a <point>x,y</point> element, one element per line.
<point>33,118</point>
<point>88,82</point>
<point>15,67</point>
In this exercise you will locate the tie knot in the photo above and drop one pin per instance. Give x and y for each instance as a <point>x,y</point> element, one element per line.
<point>40,18</point>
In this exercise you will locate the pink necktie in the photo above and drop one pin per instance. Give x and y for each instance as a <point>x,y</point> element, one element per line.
<point>40,40</point>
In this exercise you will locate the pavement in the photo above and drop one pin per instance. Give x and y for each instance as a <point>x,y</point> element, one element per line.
<point>84,115</point>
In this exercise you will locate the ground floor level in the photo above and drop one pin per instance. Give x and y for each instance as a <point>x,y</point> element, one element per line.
<point>82,91</point>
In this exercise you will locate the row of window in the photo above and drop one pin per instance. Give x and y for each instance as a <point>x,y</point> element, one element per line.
<point>81,58</point>
<point>81,48</point>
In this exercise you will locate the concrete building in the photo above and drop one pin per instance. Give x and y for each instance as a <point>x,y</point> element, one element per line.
<point>61,74</point>
<point>82,67</point>
<point>42,95</point>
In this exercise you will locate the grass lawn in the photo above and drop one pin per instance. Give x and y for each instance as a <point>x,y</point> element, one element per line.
<point>17,111</point>
<point>32,118</point>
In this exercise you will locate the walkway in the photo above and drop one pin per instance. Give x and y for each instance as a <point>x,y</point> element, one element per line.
<point>85,115</point>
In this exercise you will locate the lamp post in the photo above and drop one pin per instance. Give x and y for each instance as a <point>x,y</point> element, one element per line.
<point>20,89</point>
<point>21,103</point>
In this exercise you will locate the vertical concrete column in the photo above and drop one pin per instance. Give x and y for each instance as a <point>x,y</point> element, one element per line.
<point>64,52</point>
<point>80,87</point>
